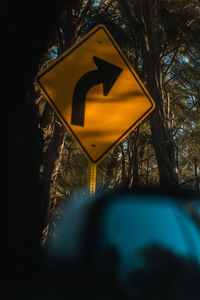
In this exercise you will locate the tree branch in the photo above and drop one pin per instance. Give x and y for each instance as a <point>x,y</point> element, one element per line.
<point>187,181</point>
<point>172,61</point>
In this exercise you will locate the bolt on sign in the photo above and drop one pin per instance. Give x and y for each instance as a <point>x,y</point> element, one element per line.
<point>96,93</point>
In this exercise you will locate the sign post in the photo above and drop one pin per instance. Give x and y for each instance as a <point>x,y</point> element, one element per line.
<point>92,169</point>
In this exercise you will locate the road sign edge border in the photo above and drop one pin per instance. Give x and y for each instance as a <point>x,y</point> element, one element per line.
<point>65,54</point>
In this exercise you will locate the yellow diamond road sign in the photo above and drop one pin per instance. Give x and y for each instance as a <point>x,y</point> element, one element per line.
<point>96,93</point>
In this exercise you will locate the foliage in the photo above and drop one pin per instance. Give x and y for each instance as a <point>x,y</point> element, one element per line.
<point>161,41</point>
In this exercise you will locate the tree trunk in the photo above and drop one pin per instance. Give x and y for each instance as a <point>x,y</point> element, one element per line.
<point>144,27</point>
<point>196,174</point>
<point>133,154</point>
<point>123,164</point>
<point>53,129</point>
<point>135,157</point>
<point>51,164</point>
<point>165,151</point>
<point>161,136</point>
<point>147,173</point>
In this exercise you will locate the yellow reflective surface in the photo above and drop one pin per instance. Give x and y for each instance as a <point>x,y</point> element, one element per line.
<point>108,119</point>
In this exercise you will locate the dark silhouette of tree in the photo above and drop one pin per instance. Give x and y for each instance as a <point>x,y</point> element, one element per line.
<point>28,28</point>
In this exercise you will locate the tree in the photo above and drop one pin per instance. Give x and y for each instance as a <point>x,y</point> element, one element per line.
<point>69,29</point>
<point>142,20</point>
<point>167,62</point>
<point>154,48</point>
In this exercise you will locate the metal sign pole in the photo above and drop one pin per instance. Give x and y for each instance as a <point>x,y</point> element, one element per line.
<point>92,169</point>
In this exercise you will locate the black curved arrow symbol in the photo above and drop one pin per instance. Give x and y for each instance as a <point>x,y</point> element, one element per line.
<point>105,73</point>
